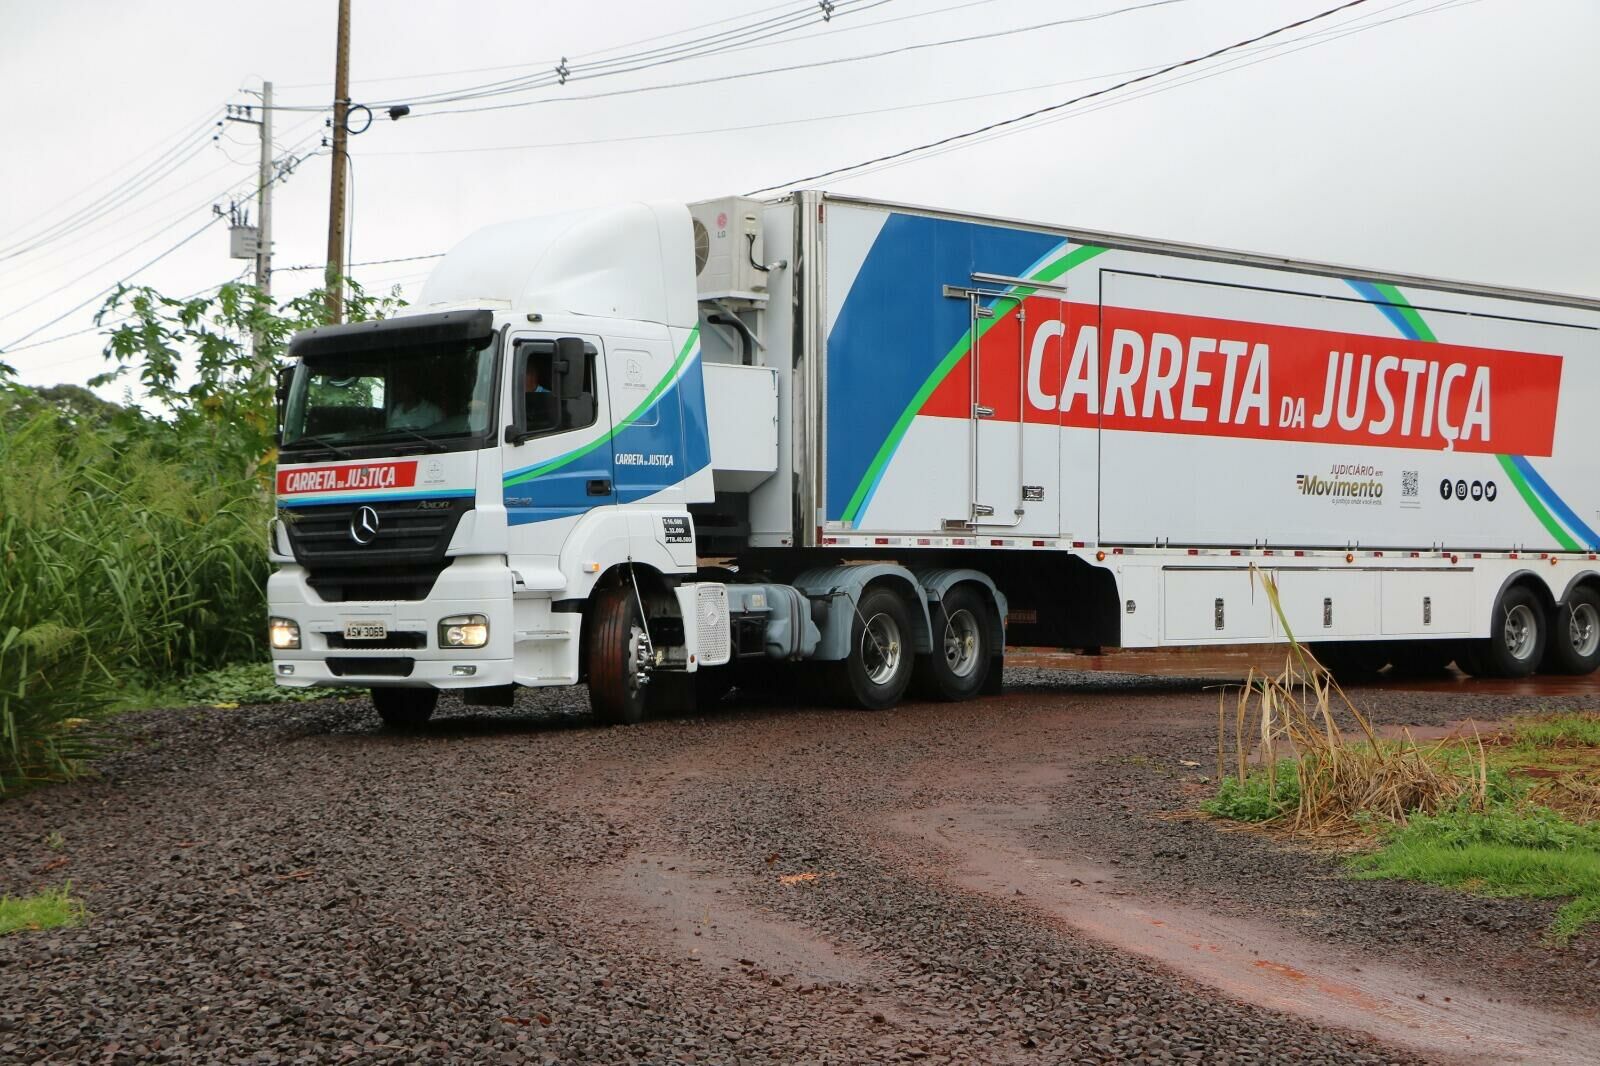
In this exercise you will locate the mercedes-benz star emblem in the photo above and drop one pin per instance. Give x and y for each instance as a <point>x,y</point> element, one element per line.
<point>363,525</point>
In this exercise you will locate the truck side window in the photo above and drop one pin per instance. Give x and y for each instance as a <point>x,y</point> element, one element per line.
<point>543,410</point>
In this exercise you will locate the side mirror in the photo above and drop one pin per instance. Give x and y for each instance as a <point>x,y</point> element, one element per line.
<point>569,363</point>
<point>285,375</point>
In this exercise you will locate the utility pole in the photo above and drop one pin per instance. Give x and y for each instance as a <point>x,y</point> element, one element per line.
<point>333,277</point>
<point>264,199</point>
<point>263,233</point>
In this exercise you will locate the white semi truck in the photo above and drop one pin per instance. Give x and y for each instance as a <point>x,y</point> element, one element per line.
<point>667,448</point>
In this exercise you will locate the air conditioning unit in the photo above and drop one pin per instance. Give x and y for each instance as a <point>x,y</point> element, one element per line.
<point>727,248</point>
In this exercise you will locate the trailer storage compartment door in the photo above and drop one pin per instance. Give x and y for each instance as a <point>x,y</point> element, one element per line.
<point>1355,417</point>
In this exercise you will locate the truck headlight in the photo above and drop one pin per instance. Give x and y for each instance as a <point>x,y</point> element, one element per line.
<point>283,634</point>
<point>464,631</point>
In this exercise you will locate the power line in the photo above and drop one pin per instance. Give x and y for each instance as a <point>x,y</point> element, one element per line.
<point>190,132</point>
<point>566,71</point>
<point>815,64</point>
<point>1012,121</point>
<point>368,263</point>
<point>1271,51</point>
<point>549,63</point>
<point>281,175</point>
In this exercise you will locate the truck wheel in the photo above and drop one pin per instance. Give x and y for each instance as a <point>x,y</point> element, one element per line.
<point>879,667</point>
<point>616,640</point>
<point>1517,636</point>
<point>404,709</point>
<point>962,648</point>
<point>1574,646</point>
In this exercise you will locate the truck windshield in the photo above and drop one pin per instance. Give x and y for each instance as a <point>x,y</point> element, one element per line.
<point>404,399</point>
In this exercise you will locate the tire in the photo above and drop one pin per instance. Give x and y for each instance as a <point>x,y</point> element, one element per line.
<point>1518,633</point>
<point>878,669</point>
<point>1352,660</point>
<point>963,639</point>
<point>405,709</point>
<point>615,630</point>
<point>1574,643</point>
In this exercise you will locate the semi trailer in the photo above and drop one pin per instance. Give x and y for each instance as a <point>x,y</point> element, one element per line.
<point>665,449</point>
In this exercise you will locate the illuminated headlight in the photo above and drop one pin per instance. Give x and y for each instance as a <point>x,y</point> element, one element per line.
<point>464,631</point>
<point>283,634</point>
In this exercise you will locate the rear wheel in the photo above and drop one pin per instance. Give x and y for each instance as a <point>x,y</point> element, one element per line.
<point>618,653</point>
<point>1574,645</point>
<point>878,669</point>
<point>962,648</point>
<point>1517,637</point>
<point>404,709</point>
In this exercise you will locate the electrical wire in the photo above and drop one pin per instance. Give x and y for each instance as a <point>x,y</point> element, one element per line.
<point>1267,52</point>
<point>190,132</point>
<point>226,193</point>
<point>547,76</point>
<point>279,176</point>
<point>369,262</point>
<point>815,64</point>
<point>1034,113</point>
<point>524,66</point>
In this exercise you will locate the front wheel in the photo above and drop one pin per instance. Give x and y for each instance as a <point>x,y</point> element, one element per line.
<point>963,649</point>
<point>617,652</point>
<point>1574,646</point>
<point>878,669</point>
<point>403,709</point>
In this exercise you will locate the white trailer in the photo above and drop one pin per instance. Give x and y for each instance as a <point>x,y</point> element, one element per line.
<point>666,448</point>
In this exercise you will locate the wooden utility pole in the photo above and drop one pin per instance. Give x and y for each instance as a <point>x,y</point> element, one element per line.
<point>264,196</point>
<point>333,277</point>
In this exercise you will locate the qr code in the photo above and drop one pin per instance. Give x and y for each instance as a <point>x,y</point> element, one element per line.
<point>1408,483</point>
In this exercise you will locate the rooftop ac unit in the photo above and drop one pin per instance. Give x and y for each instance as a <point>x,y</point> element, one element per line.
<point>727,247</point>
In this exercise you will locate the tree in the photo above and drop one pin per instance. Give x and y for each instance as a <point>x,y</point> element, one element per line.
<point>194,358</point>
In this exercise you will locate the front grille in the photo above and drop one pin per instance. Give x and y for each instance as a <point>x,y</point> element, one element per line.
<point>394,641</point>
<point>354,666</point>
<point>410,532</point>
<point>402,561</point>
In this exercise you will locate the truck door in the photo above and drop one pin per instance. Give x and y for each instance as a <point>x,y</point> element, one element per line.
<point>1015,370</point>
<point>558,461</point>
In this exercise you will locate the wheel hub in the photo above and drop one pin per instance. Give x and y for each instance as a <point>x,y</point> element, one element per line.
<point>961,643</point>
<point>1584,629</point>
<point>1521,631</point>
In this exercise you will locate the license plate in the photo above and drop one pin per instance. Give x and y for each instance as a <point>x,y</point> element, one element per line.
<point>365,631</point>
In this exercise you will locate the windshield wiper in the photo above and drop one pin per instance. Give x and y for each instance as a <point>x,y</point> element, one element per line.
<point>322,442</point>
<point>429,441</point>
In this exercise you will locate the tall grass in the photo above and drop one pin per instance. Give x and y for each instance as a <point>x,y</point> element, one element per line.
<point>123,563</point>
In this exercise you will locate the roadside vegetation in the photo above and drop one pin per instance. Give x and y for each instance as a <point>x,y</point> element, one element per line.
<point>132,537</point>
<point>49,909</point>
<point>1510,814</point>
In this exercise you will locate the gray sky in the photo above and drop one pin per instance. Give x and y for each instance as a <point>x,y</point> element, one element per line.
<point>1459,142</point>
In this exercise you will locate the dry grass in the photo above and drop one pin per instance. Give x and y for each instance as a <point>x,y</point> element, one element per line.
<point>1342,782</point>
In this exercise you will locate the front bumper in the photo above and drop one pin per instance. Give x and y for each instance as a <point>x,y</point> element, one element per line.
<point>469,586</point>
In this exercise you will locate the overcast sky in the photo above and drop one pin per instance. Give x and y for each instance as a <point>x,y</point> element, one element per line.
<point>1460,142</point>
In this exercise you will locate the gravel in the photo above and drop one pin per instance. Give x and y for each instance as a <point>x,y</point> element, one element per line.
<point>289,884</point>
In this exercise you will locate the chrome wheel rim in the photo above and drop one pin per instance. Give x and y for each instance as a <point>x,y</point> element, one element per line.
<point>881,648</point>
<point>1584,629</point>
<point>961,643</point>
<point>638,672</point>
<point>1521,632</point>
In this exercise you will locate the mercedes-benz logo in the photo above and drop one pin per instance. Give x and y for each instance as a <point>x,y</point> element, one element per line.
<point>363,525</point>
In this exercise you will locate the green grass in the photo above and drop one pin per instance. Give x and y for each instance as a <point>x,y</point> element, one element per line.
<point>124,566</point>
<point>1534,853</point>
<point>227,686</point>
<point>50,909</point>
<point>1559,731</point>
<point>1260,797</point>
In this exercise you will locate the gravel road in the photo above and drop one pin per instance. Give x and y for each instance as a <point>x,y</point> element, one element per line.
<point>999,881</point>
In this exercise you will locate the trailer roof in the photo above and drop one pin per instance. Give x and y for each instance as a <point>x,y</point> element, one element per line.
<point>1228,255</point>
